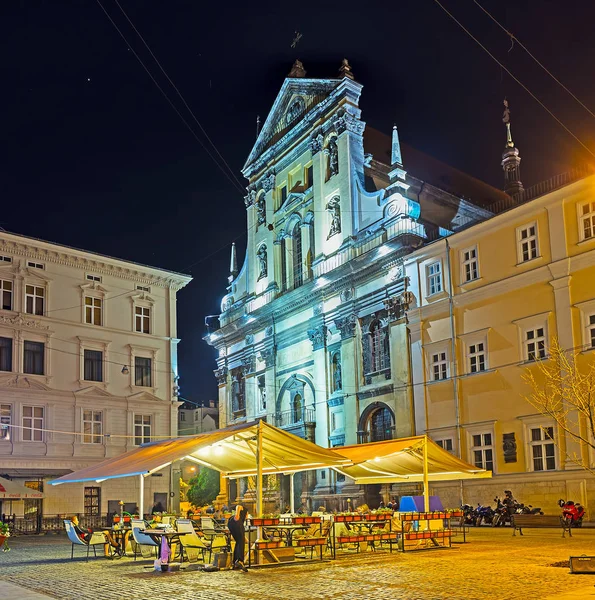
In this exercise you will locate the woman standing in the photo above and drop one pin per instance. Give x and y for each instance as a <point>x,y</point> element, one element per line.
<point>236,528</point>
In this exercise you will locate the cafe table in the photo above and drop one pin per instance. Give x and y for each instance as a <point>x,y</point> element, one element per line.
<point>119,535</point>
<point>287,531</point>
<point>159,535</point>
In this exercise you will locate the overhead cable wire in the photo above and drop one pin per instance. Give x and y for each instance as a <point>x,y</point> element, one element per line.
<point>163,93</point>
<point>514,38</point>
<point>180,96</point>
<point>515,78</point>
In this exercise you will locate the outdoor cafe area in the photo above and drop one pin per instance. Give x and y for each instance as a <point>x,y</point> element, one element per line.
<point>257,449</point>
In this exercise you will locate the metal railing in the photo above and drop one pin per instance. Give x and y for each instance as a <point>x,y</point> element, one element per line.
<point>289,418</point>
<point>54,523</point>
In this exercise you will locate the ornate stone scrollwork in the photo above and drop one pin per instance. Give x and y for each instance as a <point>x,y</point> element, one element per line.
<point>318,309</point>
<point>296,108</point>
<point>340,123</point>
<point>394,307</point>
<point>262,258</point>
<point>249,339</point>
<point>346,325</point>
<point>268,357</point>
<point>221,375</point>
<point>249,198</point>
<point>21,321</point>
<point>334,207</point>
<point>318,337</point>
<point>316,144</point>
<point>353,124</point>
<point>268,182</point>
<point>268,332</point>
<point>249,364</point>
<point>346,295</point>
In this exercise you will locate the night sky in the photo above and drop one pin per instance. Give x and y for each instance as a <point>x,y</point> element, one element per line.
<point>94,157</point>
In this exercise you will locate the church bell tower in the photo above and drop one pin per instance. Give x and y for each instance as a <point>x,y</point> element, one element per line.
<point>511,160</point>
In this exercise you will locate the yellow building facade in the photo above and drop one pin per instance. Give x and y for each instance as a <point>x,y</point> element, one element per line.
<point>486,303</point>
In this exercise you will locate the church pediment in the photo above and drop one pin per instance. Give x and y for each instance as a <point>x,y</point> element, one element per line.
<point>297,97</point>
<point>145,396</point>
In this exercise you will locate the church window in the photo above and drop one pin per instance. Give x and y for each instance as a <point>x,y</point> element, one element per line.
<point>298,277</point>
<point>378,425</point>
<point>283,195</point>
<point>309,177</point>
<point>377,345</point>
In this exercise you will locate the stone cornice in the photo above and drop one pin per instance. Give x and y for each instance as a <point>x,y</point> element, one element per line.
<point>17,245</point>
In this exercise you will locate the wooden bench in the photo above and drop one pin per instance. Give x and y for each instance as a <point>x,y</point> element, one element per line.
<point>539,521</point>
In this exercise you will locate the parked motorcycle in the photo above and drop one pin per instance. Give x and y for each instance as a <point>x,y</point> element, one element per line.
<point>468,514</point>
<point>484,515</point>
<point>527,509</point>
<point>501,514</point>
<point>572,513</point>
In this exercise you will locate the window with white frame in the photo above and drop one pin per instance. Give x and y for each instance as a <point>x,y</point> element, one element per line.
<point>434,278</point>
<point>587,220</point>
<point>92,426</point>
<point>33,417</point>
<point>182,416</point>
<point>470,264</point>
<point>6,259</point>
<point>142,429</point>
<point>142,319</point>
<point>482,451</point>
<point>93,310</point>
<point>477,357</point>
<point>6,289</point>
<point>5,422</point>
<point>528,248</point>
<point>446,443</point>
<point>91,277</point>
<point>34,300</point>
<point>142,371</point>
<point>93,365</point>
<point>5,354</point>
<point>33,357</point>
<point>591,330</point>
<point>535,344</point>
<point>543,451</point>
<point>439,366</point>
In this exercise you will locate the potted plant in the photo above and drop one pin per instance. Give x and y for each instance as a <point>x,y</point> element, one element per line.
<point>4,535</point>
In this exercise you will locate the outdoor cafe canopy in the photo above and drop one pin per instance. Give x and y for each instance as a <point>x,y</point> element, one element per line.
<point>402,461</point>
<point>11,490</point>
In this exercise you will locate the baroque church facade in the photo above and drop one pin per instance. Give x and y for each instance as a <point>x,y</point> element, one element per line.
<point>313,333</point>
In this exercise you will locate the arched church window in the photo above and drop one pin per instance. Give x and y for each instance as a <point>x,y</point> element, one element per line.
<point>311,249</point>
<point>380,425</point>
<point>377,346</point>
<point>297,408</point>
<point>298,277</point>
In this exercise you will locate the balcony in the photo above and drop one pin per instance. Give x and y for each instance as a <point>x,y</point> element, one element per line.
<point>301,424</point>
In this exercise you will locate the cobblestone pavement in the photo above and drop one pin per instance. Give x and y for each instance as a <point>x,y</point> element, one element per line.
<point>493,564</point>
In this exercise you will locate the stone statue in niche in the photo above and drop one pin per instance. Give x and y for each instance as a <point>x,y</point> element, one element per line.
<point>337,377</point>
<point>509,447</point>
<point>332,152</point>
<point>334,207</point>
<point>262,257</point>
<point>261,210</point>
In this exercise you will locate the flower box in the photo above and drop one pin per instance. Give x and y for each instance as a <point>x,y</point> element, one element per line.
<point>317,541</point>
<point>265,521</point>
<point>456,513</point>
<point>305,520</point>
<point>344,518</point>
<point>266,544</point>
<point>388,536</point>
<point>347,539</point>
<point>407,517</point>
<point>372,517</point>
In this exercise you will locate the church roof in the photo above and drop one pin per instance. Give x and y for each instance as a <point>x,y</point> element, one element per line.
<point>431,170</point>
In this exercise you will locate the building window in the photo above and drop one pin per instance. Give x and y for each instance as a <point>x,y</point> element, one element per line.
<point>5,421</point>
<point>142,371</point>
<point>477,357</point>
<point>542,449</point>
<point>142,429</point>
<point>93,310</point>
<point>5,294</point>
<point>143,288</point>
<point>587,220</point>
<point>309,176</point>
<point>439,366</point>
<point>535,344</point>
<point>33,423</point>
<point>298,277</point>
<point>92,501</point>
<point>445,443</point>
<point>34,300</point>
<point>283,195</point>
<point>482,451</point>
<point>93,367</point>
<point>434,278</point>
<point>93,278</point>
<point>33,358</point>
<point>6,259</point>
<point>380,425</point>
<point>182,416</point>
<point>527,243</point>
<point>92,427</point>
<point>470,265</point>
<point>35,265</point>
<point>142,319</point>
<point>282,250</point>
<point>591,330</point>
<point>5,354</point>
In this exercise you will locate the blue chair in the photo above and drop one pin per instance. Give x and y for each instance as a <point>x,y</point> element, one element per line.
<point>142,539</point>
<point>97,539</point>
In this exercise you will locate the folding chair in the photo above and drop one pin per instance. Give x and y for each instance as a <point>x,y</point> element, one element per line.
<point>97,539</point>
<point>190,539</point>
<point>142,539</point>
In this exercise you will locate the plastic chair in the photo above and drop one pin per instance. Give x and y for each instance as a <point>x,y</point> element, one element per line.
<point>142,539</point>
<point>190,539</point>
<point>96,539</point>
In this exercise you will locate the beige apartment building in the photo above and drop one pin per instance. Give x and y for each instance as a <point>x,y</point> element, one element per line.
<point>88,370</point>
